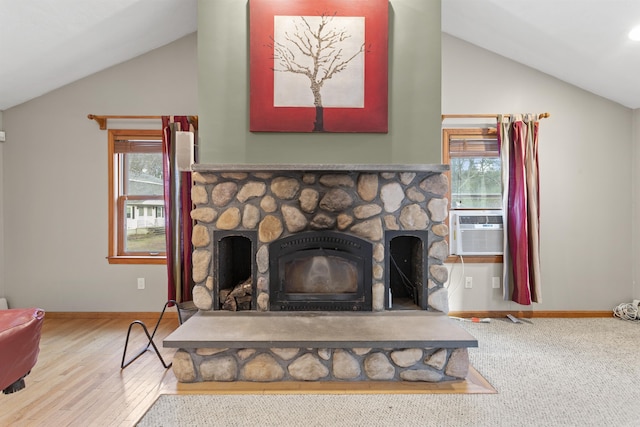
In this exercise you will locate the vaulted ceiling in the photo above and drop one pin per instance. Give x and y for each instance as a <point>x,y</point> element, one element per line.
<point>46,44</point>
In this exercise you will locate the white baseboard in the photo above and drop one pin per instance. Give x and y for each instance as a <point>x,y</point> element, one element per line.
<point>3,304</point>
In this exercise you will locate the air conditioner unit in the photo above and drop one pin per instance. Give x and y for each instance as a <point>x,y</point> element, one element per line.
<point>475,232</point>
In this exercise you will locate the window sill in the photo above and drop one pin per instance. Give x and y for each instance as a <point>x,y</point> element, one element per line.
<point>137,259</point>
<point>476,259</point>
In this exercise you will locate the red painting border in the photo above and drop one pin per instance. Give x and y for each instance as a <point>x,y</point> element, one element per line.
<point>264,117</point>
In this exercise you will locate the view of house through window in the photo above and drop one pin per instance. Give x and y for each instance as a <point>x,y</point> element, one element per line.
<point>137,217</point>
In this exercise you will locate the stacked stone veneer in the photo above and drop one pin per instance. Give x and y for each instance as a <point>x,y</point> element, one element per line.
<point>280,203</point>
<point>299,364</point>
<point>277,204</point>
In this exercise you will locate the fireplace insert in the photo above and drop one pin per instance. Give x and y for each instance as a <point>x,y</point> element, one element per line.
<point>320,271</point>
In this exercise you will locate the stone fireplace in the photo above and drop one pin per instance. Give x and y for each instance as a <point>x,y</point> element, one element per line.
<point>291,244</point>
<point>249,215</point>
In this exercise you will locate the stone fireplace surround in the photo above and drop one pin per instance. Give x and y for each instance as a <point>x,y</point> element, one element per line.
<point>372,202</point>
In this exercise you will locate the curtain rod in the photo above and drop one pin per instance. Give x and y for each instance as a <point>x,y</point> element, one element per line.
<point>484,116</point>
<point>102,120</point>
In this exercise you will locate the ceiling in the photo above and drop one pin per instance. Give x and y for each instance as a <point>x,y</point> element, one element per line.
<point>46,44</point>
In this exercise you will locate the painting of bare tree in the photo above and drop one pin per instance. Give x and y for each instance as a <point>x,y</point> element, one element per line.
<point>318,71</point>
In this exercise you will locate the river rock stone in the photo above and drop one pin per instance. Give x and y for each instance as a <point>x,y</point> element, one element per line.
<point>204,178</point>
<point>439,273</point>
<point>378,252</point>
<point>367,186</point>
<point>344,221</point>
<point>415,195</point>
<point>370,229</point>
<point>183,367</point>
<point>324,353</point>
<point>345,366</point>
<point>219,369</point>
<point>209,351</point>
<point>285,353</point>
<point>309,200</point>
<point>378,367</point>
<point>246,353</point>
<point>437,360</point>
<point>377,296</point>
<point>262,259</point>
<point>199,195</point>
<point>229,219</point>
<point>407,177</point>
<point>307,368</point>
<point>413,217</point>
<point>458,366</point>
<point>391,195</point>
<point>204,214</point>
<point>378,272</point>
<point>251,190</point>
<point>439,300</point>
<point>263,301</point>
<point>263,367</point>
<point>270,229</point>
<point>235,175</point>
<point>322,222</point>
<point>223,193</point>
<point>336,180</point>
<point>436,184</point>
<point>439,209</point>
<point>391,223</point>
<point>336,200</point>
<point>202,297</point>
<point>440,230</point>
<point>285,188</point>
<point>200,260</point>
<point>421,375</point>
<point>250,216</point>
<point>407,357</point>
<point>294,220</point>
<point>439,250</point>
<point>200,236</point>
<point>366,211</point>
<point>268,204</point>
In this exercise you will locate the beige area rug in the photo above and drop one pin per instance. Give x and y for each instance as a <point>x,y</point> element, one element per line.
<point>548,372</point>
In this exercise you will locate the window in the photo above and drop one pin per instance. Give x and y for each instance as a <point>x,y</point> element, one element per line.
<point>475,180</point>
<point>136,197</point>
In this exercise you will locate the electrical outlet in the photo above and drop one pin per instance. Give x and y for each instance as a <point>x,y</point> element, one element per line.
<point>468,282</point>
<point>495,283</point>
<point>140,282</point>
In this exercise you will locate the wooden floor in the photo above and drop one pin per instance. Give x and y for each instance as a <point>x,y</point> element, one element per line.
<point>78,381</point>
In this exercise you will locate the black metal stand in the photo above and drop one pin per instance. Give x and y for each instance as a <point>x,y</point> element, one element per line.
<point>149,336</point>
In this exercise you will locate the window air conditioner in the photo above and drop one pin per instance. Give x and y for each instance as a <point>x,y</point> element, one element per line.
<point>475,232</point>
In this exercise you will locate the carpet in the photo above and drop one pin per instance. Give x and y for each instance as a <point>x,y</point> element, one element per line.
<point>548,372</point>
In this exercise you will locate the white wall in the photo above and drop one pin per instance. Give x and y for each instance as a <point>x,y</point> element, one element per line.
<point>55,192</point>
<point>2,270</point>
<point>636,205</point>
<point>585,156</point>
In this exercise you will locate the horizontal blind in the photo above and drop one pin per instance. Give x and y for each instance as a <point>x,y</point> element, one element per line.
<point>138,146</point>
<point>473,147</point>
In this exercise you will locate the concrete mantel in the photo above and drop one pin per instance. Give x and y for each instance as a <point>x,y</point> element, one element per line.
<point>280,167</point>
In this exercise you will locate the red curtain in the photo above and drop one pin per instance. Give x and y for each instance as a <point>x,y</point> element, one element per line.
<point>518,141</point>
<point>177,202</point>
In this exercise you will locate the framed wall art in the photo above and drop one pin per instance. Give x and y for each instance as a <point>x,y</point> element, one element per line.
<point>318,65</point>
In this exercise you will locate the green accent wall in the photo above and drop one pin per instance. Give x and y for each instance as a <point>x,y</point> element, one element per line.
<point>414,95</point>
